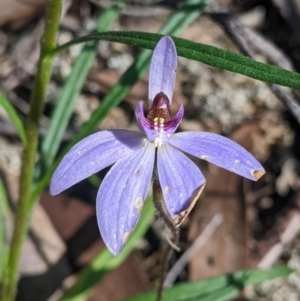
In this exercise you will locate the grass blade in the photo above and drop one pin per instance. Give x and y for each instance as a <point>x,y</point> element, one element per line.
<point>220,288</point>
<point>4,213</point>
<point>14,117</point>
<point>210,55</point>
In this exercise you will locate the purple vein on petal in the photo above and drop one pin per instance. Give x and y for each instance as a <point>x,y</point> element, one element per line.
<point>162,73</point>
<point>121,196</point>
<point>181,181</point>
<point>220,151</point>
<point>92,154</point>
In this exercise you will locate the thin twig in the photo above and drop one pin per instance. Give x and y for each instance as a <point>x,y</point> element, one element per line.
<point>286,237</point>
<point>193,249</point>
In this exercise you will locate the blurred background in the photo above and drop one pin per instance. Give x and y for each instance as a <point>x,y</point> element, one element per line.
<point>260,222</point>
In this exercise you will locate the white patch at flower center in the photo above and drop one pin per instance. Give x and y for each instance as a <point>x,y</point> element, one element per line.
<point>158,124</point>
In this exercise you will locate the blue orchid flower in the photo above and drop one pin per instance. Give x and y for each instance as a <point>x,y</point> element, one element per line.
<point>124,189</point>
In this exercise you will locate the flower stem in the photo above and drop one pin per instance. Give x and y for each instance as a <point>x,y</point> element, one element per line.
<point>24,209</point>
<point>166,255</point>
<point>171,235</point>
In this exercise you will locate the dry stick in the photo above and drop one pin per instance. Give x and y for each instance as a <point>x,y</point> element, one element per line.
<point>274,54</point>
<point>171,236</point>
<point>285,238</point>
<point>287,99</point>
<point>200,241</point>
<point>290,11</point>
<point>238,34</point>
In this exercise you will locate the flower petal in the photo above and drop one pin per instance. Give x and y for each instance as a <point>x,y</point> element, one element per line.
<point>143,123</point>
<point>92,154</point>
<point>121,197</point>
<point>181,182</point>
<point>171,126</point>
<point>148,129</point>
<point>162,73</point>
<point>220,151</point>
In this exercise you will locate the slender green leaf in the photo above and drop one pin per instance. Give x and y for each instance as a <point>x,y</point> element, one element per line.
<point>105,261</point>
<point>4,207</point>
<point>219,288</point>
<point>71,89</point>
<point>14,117</point>
<point>174,25</point>
<point>203,53</point>
<point>4,213</point>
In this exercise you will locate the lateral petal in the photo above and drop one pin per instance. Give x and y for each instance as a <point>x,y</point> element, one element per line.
<point>121,197</point>
<point>162,73</point>
<point>220,151</point>
<point>144,124</point>
<point>92,154</point>
<point>181,182</point>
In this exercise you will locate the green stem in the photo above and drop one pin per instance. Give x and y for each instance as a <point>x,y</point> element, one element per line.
<point>23,213</point>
